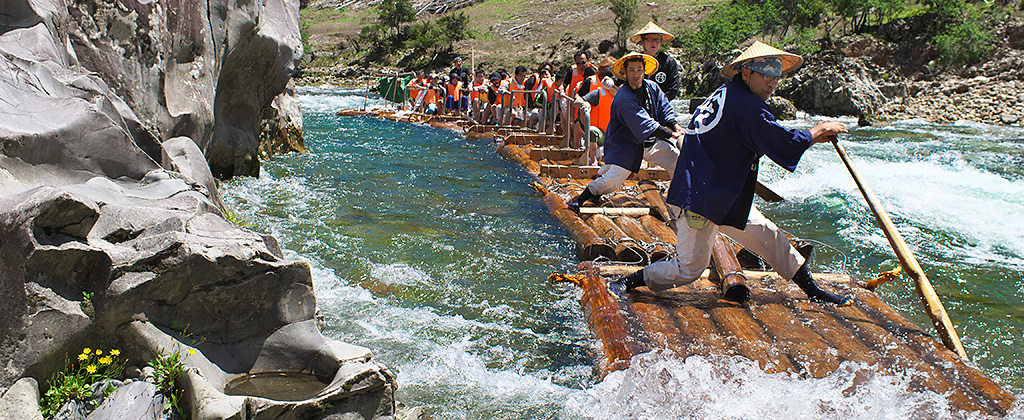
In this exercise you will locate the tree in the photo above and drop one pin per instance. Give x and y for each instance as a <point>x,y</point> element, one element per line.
<point>395,13</point>
<point>625,20</point>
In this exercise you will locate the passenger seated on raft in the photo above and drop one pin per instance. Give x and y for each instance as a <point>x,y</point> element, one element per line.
<point>575,73</point>
<point>417,87</point>
<point>541,80</point>
<point>453,98</point>
<point>478,94</point>
<point>461,74</point>
<point>493,110</point>
<point>521,112</point>
<point>588,83</point>
<point>432,96</point>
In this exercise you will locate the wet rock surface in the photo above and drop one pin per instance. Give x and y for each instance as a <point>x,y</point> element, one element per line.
<point>112,233</point>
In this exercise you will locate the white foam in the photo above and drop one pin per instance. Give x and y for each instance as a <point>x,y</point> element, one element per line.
<point>982,210</point>
<point>659,385</point>
<point>332,99</point>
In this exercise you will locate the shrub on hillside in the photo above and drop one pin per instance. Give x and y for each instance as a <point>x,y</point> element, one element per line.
<point>968,40</point>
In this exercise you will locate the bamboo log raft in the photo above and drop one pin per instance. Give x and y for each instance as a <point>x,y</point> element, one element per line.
<point>777,328</point>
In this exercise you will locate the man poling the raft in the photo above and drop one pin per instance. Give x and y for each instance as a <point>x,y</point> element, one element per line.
<point>641,126</point>
<point>713,187</point>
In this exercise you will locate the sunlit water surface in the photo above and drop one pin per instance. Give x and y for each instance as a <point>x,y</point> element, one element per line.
<point>433,252</point>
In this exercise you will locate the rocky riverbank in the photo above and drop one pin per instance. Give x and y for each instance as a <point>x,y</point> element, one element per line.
<point>116,119</point>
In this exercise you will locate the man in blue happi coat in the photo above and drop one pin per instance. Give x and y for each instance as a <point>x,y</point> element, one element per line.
<point>642,126</point>
<point>713,187</point>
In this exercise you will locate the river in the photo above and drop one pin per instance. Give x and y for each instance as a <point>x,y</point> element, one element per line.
<point>434,252</point>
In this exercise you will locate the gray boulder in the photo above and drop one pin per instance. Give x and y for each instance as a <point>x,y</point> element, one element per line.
<point>21,401</point>
<point>102,196</point>
<point>203,70</point>
<point>832,84</point>
<point>134,401</point>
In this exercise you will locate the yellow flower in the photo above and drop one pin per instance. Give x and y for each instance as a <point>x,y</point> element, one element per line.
<point>115,352</point>
<point>86,350</point>
<point>105,360</point>
<point>83,356</point>
<point>90,368</point>
<point>99,352</point>
<point>191,351</point>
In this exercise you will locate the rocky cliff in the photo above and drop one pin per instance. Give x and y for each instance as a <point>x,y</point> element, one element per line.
<point>115,119</point>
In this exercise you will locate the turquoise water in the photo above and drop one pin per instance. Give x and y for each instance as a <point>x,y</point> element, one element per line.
<point>434,252</point>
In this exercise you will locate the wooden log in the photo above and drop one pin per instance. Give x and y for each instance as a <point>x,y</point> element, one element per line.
<point>591,245</point>
<point>574,172</point>
<point>653,196</point>
<point>635,230</point>
<point>517,155</point>
<point>729,272</point>
<point>626,249</point>
<point>556,153</point>
<point>544,140</point>
<point>895,352</point>
<point>986,392</point>
<point>616,211</point>
<point>618,199</point>
<point>804,346</point>
<point>658,229</point>
<point>660,326</point>
<point>749,339</point>
<point>606,321</point>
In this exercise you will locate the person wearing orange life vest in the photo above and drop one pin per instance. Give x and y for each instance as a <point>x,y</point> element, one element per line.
<point>598,104</point>
<point>431,97</point>
<point>477,94</point>
<point>494,100</point>
<point>416,87</point>
<point>453,98</point>
<point>521,112</point>
<point>603,67</point>
<point>575,75</point>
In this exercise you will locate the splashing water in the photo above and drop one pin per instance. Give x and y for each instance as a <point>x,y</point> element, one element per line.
<point>433,252</point>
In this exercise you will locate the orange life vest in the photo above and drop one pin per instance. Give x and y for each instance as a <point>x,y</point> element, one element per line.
<point>594,83</point>
<point>415,89</point>
<point>454,90</point>
<point>577,77</point>
<point>431,96</point>
<point>474,94</point>
<point>518,98</point>
<point>600,114</point>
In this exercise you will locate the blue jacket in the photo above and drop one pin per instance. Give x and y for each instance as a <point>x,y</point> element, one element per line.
<point>717,167</point>
<point>629,125</point>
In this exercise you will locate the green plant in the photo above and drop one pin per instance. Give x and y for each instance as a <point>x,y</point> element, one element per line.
<point>75,380</point>
<point>625,19</point>
<point>968,41</point>
<point>87,305</point>
<point>167,372</point>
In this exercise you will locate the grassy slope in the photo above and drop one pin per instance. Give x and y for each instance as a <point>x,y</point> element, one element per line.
<point>508,32</point>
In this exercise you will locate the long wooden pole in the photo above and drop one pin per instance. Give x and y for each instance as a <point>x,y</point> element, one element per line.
<point>932,304</point>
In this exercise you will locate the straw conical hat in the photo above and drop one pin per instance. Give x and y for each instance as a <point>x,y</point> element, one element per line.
<point>650,64</point>
<point>607,61</point>
<point>789,61</point>
<point>651,28</point>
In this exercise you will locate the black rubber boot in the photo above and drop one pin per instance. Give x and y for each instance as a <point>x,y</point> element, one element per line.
<point>626,284</point>
<point>584,197</point>
<point>803,279</point>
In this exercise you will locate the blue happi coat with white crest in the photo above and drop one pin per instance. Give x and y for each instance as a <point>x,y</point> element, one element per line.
<point>726,137</point>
